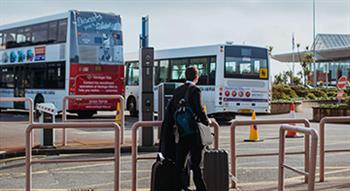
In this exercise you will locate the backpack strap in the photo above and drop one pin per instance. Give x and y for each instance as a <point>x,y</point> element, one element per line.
<point>187,93</point>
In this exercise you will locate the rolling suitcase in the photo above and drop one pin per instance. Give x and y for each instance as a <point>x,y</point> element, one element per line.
<point>215,170</point>
<point>162,177</point>
<point>163,174</point>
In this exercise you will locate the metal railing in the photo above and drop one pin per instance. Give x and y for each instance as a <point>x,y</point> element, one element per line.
<point>22,99</point>
<point>234,155</point>
<point>151,124</point>
<point>116,158</point>
<point>64,113</point>
<point>30,107</point>
<point>312,161</point>
<point>322,140</point>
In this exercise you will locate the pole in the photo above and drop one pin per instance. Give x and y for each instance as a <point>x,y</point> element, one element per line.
<point>293,60</point>
<point>314,43</point>
<point>146,85</point>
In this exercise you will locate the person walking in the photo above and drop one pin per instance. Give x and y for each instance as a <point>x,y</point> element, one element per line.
<point>189,142</point>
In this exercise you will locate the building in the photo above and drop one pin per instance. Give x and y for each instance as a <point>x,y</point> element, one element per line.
<point>332,58</point>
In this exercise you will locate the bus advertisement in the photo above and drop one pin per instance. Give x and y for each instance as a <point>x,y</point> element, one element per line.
<point>73,53</point>
<point>233,78</point>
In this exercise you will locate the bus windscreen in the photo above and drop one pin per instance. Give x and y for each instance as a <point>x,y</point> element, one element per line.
<point>246,63</point>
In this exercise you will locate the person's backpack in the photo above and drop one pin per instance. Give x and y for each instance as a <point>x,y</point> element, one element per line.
<point>184,116</point>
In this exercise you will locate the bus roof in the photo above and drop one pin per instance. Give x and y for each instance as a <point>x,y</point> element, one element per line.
<point>205,50</point>
<point>35,20</point>
<point>40,20</point>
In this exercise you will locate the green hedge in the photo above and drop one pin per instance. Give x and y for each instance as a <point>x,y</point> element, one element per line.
<point>285,92</point>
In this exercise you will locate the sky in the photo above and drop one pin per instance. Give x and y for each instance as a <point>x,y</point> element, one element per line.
<point>184,23</point>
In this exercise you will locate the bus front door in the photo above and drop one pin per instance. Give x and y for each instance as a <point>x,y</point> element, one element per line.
<point>19,86</point>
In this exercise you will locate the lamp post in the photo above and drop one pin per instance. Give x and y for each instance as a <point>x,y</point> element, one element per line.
<point>314,44</point>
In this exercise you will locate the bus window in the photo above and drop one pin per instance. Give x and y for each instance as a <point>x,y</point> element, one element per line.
<point>201,65</point>
<point>249,68</point>
<point>28,35</point>
<point>38,75</point>
<point>230,67</point>
<point>55,75</point>
<point>52,32</point>
<point>212,70</point>
<point>132,73</point>
<point>178,67</point>
<point>62,30</point>
<point>1,44</point>
<point>245,68</point>
<point>156,72</point>
<point>163,71</point>
<point>7,77</point>
<point>10,39</point>
<point>21,38</point>
<point>40,33</point>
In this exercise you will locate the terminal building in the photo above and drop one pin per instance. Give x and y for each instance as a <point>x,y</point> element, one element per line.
<point>332,58</point>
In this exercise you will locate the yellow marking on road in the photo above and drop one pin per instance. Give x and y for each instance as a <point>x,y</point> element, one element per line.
<point>12,159</point>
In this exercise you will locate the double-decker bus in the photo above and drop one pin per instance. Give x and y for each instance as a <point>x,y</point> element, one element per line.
<point>233,78</point>
<point>72,53</point>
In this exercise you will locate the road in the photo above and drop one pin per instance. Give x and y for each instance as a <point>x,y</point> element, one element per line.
<point>254,173</point>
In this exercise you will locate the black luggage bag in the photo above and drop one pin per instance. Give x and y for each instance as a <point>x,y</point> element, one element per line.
<point>215,170</point>
<point>163,174</point>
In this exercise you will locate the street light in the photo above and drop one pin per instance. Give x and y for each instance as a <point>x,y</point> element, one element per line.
<point>314,44</point>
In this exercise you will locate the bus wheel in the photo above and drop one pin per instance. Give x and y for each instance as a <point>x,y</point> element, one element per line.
<point>38,99</point>
<point>131,106</point>
<point>85,114</point>
<point>224,119</point>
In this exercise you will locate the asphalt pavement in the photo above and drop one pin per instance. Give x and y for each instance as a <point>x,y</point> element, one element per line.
<point>254,173</point>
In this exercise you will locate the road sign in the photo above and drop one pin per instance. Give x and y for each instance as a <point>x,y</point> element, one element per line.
<point>340,94</point>
<point>342,82</point>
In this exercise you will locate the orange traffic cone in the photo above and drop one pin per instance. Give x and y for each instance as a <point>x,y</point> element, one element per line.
<point>118,116</point>
<point>292,134</point>
<point>253,134</point>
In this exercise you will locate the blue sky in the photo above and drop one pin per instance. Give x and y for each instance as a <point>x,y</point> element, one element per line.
<point>192,22</point>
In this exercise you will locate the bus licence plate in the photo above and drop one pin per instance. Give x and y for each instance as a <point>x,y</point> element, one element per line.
<point>245,111</point>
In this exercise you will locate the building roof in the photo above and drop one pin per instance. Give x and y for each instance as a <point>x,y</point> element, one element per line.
<point>329,41</point>
<point>328,47</point>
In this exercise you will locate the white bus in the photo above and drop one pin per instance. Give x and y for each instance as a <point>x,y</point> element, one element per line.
<point>233,78</point>
<point>72,53</point>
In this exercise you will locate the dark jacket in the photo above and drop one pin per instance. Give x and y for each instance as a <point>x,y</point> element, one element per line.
<point>194,100</point>
<point>167,138</point>
<point>167,144</point>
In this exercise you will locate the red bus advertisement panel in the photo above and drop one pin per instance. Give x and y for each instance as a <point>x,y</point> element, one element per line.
<point>93,79</point>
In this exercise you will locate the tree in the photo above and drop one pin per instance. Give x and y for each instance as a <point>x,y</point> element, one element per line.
<point>286,77</point>
<point>305,62</point>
